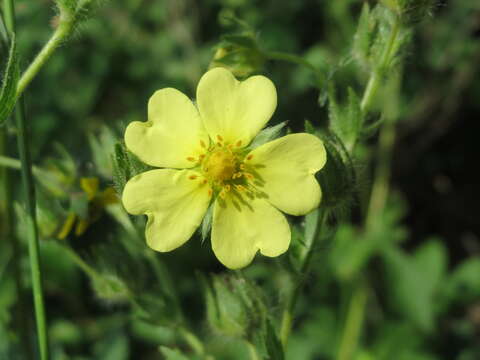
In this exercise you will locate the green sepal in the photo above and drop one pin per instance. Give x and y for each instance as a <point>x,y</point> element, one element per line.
<point>268,134</point>
<point>207,222</point>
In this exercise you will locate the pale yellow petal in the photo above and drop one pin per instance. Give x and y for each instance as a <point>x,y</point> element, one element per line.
<point>174,201</point>
<point>235,110</point>
<point>239,231</point>
<point>172,134</point>
<point>287,166</point>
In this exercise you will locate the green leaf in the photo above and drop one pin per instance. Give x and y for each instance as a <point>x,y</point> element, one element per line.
<point>172,354</point>
<point>8,93</point>
<point>409,285</point>
<point>346,120</point>
<point>463,285</point>
<point>268,134</point>
<point>431,258</point>
<point>309,128</point>
<point>363,37</point>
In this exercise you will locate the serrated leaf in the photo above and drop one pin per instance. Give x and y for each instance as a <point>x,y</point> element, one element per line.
<point>363,37</point>
<point>346,119</point>
<point>8,93</point>
<point>309,128</point>
<point>268,134</point>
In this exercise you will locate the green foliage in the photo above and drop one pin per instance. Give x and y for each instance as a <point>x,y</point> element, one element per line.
<point>385,81</point>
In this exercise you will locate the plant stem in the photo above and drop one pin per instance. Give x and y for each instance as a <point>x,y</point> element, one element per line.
<point>376,75</point>
<point>32,231</point>
<point>354,321</point>
<point>278,55</point>
<point>192,340</point>
<point>288,312</point>
<point>6,226</point>
<point>252,351</point>
<point>62,32</point>
<point>380,187</point>
<point>16,164</point>
<point>29,190</point>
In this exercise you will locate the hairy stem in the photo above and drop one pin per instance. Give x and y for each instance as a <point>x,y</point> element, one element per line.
<point>353,323</point>
<point>62,32</point>
<point>277,55</point>
<point>30,206</point>
<point>288,312</point>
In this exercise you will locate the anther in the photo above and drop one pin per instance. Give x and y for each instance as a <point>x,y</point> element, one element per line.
<point>226,188</point>
<point>248,175</point>
<point>210,192</point>
<point>192,177</point>
<point>222,194</point>
<point>242,166</point>
<point>249,157</point>
<point>239,143</point>
<point>240,188</point>
<point>202,144</point>
<point>219,138</point>
<point>204,181</point>
<point>192,159</point>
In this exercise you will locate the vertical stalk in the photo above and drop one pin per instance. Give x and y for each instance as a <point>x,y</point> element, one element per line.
<point>354,322</point>
<point>32,231</point>
<point>6,232</point>
<point>29,191</point>
<point>288,312</point>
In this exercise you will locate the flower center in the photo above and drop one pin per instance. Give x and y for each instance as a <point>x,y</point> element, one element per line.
<point>220,166</point>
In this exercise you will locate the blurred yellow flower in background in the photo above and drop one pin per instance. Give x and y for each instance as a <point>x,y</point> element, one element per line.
<point>96,202</point>
<point>205,155</point>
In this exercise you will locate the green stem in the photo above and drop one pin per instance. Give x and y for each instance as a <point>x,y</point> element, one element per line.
<point>376,77</point>
<point>90,271</point>
<point>6,226</point>
<point>192,340</point>
<point>16,164</point>
<point>353,323</point>
<point>277,55</point>
<point>62,32</point>
<point>381,181</point>
<point>32,231</point>
<point>29,190</point>
<point>252,352</point>
<point>288,312</point>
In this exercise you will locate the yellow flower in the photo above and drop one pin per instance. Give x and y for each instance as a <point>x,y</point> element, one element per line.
<point>204,150</point>
<point>97,201</point>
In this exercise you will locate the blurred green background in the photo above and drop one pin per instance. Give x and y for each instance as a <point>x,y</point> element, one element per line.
<point>411,280</point>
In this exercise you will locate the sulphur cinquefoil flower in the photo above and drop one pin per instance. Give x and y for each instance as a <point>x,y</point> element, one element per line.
<point>206,159</point>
